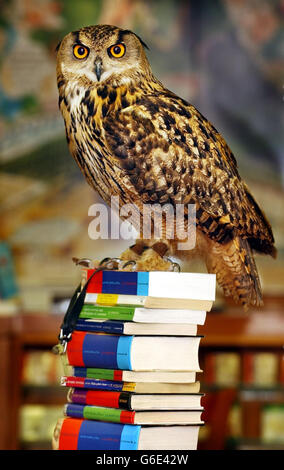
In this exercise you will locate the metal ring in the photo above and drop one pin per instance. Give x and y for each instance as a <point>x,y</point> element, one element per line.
<point>110,263</point>
<point>174,266</point>
<point>104,261</point>
<point>128,263</point>
<point>83,261</point>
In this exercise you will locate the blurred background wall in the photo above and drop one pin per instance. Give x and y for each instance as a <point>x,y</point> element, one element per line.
<point>224,56</point>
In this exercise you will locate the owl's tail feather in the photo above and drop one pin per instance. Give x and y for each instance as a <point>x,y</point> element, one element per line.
<point>236,271</point>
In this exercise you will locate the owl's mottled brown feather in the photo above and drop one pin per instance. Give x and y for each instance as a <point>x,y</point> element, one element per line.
<point>172,154</point>
<point>133,138</point>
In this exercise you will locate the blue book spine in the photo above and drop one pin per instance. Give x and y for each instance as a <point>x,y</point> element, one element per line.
<point>80,371</point>
<point>97,435</point>
<point>128,283</point>
<point>74,411</point>
<point>107,385</point>
<point>112,326</point>
<point>101,351</point>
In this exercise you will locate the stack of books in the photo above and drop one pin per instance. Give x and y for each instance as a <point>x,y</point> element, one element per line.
<point>133,362</point>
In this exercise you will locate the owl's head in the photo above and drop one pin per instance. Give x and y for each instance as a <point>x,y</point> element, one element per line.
<point>101,53</point>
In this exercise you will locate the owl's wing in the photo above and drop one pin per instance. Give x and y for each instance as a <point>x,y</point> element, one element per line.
<point>170,153</point>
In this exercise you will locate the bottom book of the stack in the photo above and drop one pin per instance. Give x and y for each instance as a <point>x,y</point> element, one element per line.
<point>83,434</point>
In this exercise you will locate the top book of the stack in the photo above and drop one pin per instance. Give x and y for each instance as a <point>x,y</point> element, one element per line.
<point>155,289</point>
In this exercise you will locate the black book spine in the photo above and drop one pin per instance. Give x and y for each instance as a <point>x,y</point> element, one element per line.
<point>125,401</point>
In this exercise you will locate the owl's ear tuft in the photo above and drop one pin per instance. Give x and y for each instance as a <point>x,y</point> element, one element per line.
<point>127,31</point>
<point>142,42</point>
<point>58,45</point>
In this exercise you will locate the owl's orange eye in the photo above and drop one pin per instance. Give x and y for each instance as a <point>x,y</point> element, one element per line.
<point>117,50</point>
<point>80,52</point>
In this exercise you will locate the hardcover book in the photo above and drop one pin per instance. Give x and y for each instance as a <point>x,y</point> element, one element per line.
<point>139,387</point>
<point>133,352</point>
<point>151,289</point>
<point>131,328</point>
<point>83,434</point>
<point>134,376</point>
<point>132,313</point>
<point>160,376</point>
<point>136,401</point>
<point>133,417</point>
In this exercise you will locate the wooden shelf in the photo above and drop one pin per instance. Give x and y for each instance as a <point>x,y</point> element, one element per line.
<point>43,395</point>
<point>257,444</point>
<point>237,329</point>
<point>17,333</point>
<point>36,445</point>
<point>38,329</point>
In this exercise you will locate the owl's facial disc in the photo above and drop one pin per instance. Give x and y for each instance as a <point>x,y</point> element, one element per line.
<point>99,54</point>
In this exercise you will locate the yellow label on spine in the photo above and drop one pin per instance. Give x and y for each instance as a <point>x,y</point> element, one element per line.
<point>129,387</point>
<point>107,299</point>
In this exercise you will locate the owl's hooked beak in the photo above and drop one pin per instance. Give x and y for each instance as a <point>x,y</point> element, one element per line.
<point>98,68</point>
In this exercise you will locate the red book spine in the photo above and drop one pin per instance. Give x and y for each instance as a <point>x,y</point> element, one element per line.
<point>74,381</point>
<point>117,375</point>
<point>127,417</point>
<point>69,434</point>
<point>96,283</point>
<point>98,398</point>
<point>75,348</point>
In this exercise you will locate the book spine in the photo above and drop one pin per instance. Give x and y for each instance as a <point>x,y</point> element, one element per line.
<point>210,368</point>
<point>91,383</point>
<point>97,384</point>
<point>82,434</point>
<point>94,373</point>
<point>99,413</point>
<point>118,282</point>
<point>100,351</point>
<point>105,312</point>
<point>99,398</point>
<point>248,368</point>
<point>115,299</point>
<point>111,327</point>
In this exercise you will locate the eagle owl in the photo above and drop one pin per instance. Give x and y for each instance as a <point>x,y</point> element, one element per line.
<point>135,139</point>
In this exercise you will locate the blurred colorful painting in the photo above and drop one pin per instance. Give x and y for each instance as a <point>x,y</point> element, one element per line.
<point>224,56</point>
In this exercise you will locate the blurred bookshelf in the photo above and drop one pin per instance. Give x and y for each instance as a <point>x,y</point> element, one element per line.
<point>242,359</point>
<point>31,397</point>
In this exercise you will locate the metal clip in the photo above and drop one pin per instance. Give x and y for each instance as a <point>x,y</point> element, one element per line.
<point>63,339</point>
